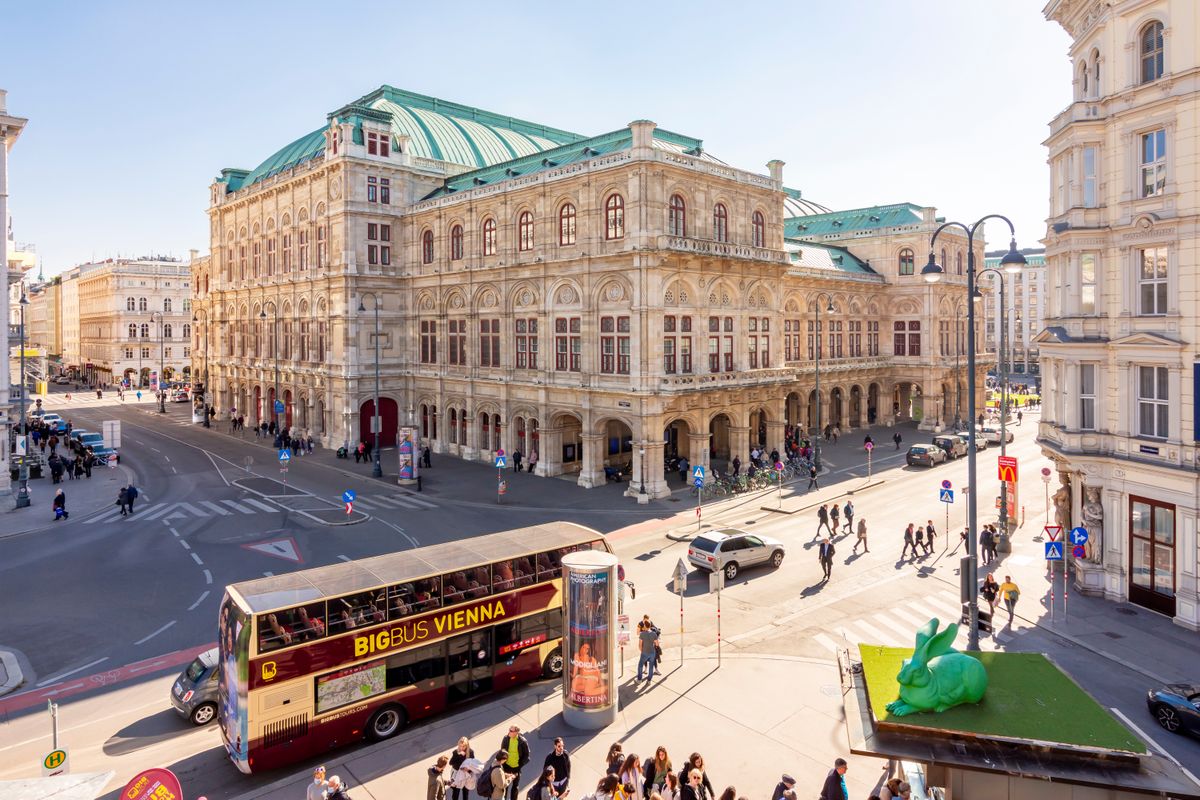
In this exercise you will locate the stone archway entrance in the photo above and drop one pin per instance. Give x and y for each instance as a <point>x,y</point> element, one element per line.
<point>872,403</point>
<point>718,437</point>
<point>758,427</point>
<point>562,445</point>
<point>389,414</point>
<point>836,396</point>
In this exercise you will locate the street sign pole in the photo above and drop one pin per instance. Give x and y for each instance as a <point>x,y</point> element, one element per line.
<point>52,707</point>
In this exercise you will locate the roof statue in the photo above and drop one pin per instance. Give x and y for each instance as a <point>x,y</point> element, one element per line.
<point>938,677</point>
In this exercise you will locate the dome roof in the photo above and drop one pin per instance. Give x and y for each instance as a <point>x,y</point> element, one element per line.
<point>796,206</point>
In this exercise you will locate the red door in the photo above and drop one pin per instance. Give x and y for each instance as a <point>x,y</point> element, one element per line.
<point>389,415</point>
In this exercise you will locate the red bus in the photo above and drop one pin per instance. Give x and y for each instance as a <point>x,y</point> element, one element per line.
<point>318,658</point>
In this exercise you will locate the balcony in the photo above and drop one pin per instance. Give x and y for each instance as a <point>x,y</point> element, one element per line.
<point>710,247</point>
<point>1079,111</point>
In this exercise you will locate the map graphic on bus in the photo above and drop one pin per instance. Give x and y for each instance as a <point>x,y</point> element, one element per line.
<point>352,685</point>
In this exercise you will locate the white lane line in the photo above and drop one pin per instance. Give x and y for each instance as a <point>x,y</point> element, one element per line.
<point>207,577</point>
<point>210,504</point>
<point>1154,744</point>
<point>199,600</point>
<point>826,642</point>
<point>155,449</point>
<point>873,633</point>
<point>143,667</point>
<point>173,531</point>
<point>174,470</point>
<point>167,459</point>
<point>186,546</point>
<point>145,639</point>
<point>196,558</point>
<point>344,558</point>
<point>398,530</point>
<point>234,505</point>
<point>268,574</point>
<point>250,501</point>
<point>218,469</point>
<point>57,678</point>
<point>60,690</point>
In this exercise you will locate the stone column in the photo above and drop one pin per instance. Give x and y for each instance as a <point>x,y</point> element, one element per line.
<point>592,473</point>
<point>1116,523</point>
<point>739,444</point>
<point>549,453</point>
<point>651,466</point>
<point>698,453</point>
<point>775,438</point>
<point>471,446</point>
<point>932,408</point>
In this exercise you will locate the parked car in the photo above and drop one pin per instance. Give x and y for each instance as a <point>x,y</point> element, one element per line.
<point>730,550</point>
<point>925,455</point>
<point>34,460</point>
<point>1176,707</point>
<point>951,445</point>
<point>105,454</point>
<point>179,396</point>
<point>57,424</point>
<point>86,440</point>
<point>62,380</point>
<point>194,693</point>
<point>992,434</point>
<point>980,442</point>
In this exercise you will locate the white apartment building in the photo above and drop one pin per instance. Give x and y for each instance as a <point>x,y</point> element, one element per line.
<point>10,129</point>
<point>1024,311</point>
<point>1118,354</point>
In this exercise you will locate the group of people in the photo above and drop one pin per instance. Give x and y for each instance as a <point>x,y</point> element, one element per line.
<point>518,457</point>
<point>72,468</point>
<point>830,518</point>
<point>919,537</point>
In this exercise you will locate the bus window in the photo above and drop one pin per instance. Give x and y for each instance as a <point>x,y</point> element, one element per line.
<point>454,588</point>
<point>357,611</point>
<point>479,582</point>
<point>428,595</point>
<point>503,579</point>
<point>290,626</point>
<point>414,666</point>
<point>549,566</point>
<point>403,601</point>
<point>524,572</point>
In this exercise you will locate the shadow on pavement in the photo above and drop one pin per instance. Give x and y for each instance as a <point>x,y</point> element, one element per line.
<point>148,731</point>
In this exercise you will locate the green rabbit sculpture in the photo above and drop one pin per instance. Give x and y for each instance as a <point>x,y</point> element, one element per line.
<point>938,677</point>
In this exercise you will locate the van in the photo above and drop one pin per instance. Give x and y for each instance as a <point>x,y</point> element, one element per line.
<point>953,445</point>
<point>194,693</point>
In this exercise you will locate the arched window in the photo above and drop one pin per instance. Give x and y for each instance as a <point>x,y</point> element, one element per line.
<point>759,224</point>
<point>525,231</point>
<point>1151,49</point>
<point>456,243</point>
<point>132,330</point>
<point>453,426</point>
<point>187,331</point>
<point>321,232</point>
<point>944,263</point>
<point>142,304</point>
<point>1095,82</point>
<point>427,247</point>
<point>614,217</point>
<point>167,304</point>
<point>566,224</point>
<point>720,223</point>
<point>145,331</point>
<point>677,216</point>
<point>167,331</point>
<point>907,262</point>
<point>958,267</point>
<point>130,304</point>
<point>489,237</point>
<point>1085,90</point>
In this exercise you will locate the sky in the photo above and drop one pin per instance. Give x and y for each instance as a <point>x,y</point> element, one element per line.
<point>134,107</point>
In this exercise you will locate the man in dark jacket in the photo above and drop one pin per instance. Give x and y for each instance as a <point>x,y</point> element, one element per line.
<point>785,783</point>
<point>825,555</point>
<point>835,782</point>
<point>516,756</point>
<point>132,493</point>
<point>560,759</point>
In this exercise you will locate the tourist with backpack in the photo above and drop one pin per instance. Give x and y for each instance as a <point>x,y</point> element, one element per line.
<point>493,780</point>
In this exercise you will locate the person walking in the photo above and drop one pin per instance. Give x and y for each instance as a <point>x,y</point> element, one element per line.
<point>835,515</point>
<point>848,513</point>
<point>437,780</point>
<point>737,465</point>
<point>336,789</point>
<point>123,501</point>
<point>1010,593</point>
<point>835,782</point>
<point>516,756</point>
<point>1019,418</point>
<point>985,545</point>
<point>359,449</point>
<point>825,553</point>
<point>896,438</point>
<point>132,492</point>
<point>647,648</point>
<point>462,751</point>
<point>930,533</point>
<point>862,537</point>
<point>560,761</point>
<point>822,520</point>
<point>316,789</point>
<point>786,784</point>
<point>89,459</point>
<point>812,477</point>
<point>427,458</point>
<point>532,460</point>
<point>918,538</point>
<point>517,460</point>
<point>60,505</point>
<point>909,542</point>
<point>684,467</point>
<point>990,591</point>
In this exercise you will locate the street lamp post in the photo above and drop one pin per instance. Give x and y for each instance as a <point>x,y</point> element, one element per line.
<point>957,369</point>
<point>204,399</point>
<point>162,393</point>
<point>1012,261</point>
<point>642,453</point>
<point>23,471</point>
<point>817,390</point>
<point>376,427</point>
<point>275,357</point>
<point>1005,544</point>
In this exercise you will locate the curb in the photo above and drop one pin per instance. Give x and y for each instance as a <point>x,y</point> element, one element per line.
<point>13,670</point>
<point>129,478</point>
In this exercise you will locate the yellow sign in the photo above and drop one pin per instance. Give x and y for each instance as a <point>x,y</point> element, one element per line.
<point>268,670</point>
<point>55,763</point>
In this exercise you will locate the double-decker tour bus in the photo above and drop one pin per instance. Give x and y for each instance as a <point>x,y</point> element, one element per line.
<point>318,658</point>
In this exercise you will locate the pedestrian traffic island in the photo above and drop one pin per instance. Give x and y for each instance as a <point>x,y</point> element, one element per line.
<point>1028,700</point>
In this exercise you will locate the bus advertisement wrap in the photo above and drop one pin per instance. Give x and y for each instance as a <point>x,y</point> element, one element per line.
<point>589,638</point>
<point>234,667</point>
<point>351,685</point>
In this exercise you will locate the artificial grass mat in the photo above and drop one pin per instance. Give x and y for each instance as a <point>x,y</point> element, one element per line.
<point>1028,697</point>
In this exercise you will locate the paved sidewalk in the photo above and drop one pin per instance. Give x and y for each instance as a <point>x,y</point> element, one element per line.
<point>748,739</point>
<point>85,496</point>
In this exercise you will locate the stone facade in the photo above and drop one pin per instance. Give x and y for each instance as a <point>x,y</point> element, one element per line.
<point>1117,356</point>
<point>621,300</point>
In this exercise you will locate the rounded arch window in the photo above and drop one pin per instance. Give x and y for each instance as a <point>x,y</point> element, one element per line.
<point>759,226</point>
<point>1151,48</point>
<point>525,231</point>
<point>720,223</point>
<point>614,217</point>
<point>456,243</point>
<point>677,216</point>
<point>489,237</point>
<point>427,247</point>
<point>566,224</point>
<point>908,261</point>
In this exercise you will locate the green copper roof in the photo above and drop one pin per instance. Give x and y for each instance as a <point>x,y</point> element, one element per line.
<point>303,149</point>
<point>856,219</point>
<point>810,255</point>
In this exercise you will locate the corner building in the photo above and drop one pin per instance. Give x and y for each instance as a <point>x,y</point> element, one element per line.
<point>611,300</point>
<point>1118,360</point>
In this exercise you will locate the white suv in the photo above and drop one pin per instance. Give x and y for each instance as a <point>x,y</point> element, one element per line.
<point>729,550</point>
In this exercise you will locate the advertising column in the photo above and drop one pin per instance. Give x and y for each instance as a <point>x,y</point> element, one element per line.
<point>409,455</point>
<point>589,640</point>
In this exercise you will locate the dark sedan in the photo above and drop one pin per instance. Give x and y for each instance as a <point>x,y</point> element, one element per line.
<point>925,455</point>
<point>1176,707</point>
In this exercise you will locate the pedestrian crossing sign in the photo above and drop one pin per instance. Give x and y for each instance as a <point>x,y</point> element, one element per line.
<point>946,495</point>
<point>698,472</point>
<point>1054,551</point>
<point>501,461</point>
<point>284,456</point>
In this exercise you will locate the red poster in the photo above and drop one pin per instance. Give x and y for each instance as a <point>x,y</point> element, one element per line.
<point>153,784</point>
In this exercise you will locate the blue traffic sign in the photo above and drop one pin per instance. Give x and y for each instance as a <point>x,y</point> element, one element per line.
<point>285,456</point>
<point>1078,551</point>
<point>348,496</point>
<point>1079,535</point>
<point>501,461</point>
<point>946,484</point>
<point>698,482</point>
<point>1054,551</point>
<point>278,406</point>
<point>946,495</point>
<point>698,472</point>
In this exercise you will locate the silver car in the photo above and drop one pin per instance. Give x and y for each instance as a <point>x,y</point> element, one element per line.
<point>730,550</point>
<point>194,693</point>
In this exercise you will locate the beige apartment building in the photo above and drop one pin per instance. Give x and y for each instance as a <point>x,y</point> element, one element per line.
<point>607,300</point>
<point>44,315</point>
<point>1024,313</point>
<point>1118,354</point>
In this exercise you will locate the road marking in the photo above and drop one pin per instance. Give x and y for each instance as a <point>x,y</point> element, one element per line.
<point>142,667</point>
<point>344,558</point>
<point>167,459</point>
<point>173,531</point>
<point>145,639</point>
<point>210,504</point>
<point>398,530</point>
<point>826,642</point>
<point>250,501</point>
<point>155,449</point>
<point>186,546</point>
<point>233,504</point>
<point>268,574</point>
<point>1154,744</point>
<point>207,577</point>
<point>57,678</point>
<point>157,510</point>
<point>60,690</point>
<point>196,558</point>
<point>877,636</point>
<point>174,470</point>
<point>199,600</point>
<point>191,509</point>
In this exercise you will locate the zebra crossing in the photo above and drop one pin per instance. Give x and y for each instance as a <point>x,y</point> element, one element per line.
<point>393,501</point>
<point>896,627</point>
<point>197,509</point>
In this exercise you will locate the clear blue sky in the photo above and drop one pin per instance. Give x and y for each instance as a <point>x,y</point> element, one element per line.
<point>135,106</point>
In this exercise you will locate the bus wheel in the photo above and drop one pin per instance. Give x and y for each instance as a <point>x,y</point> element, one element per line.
<point>385,723</point>
<point>553,666</point>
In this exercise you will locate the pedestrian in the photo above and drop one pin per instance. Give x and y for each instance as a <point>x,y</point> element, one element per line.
<point>316,789</point>
<point>812,477</point>
<point>822,519</point>
<point>737,465</point>
<point>309,441</point>
<point>658,771</point>
<point>517,460</point>
<point>981,419</point>
<point>89,459</point>
<point>426,457</point>
<point>532,460</point>
<point>985,544</point>
<point>60,506</point>
<point>868,442</point>
<point>930,532</point>
<point>835,782</point>
<point>862,537</point>
<point>647,644</point>
<point>786,784</point>
<point>607,788</point>
<point>1010,593</point>
<point>909,542</point>
<point>919,538</point>
<point>544,788</point>
<point>614,759</point>
<point>335,790</point>
<point>1019,417</point>
<point>560,761</point>
<point>848,512</point>
<point>696,787</point>
<point>835,514</point>
<point>896,438</point>
<point>683,469</point>
<point>837,431</point>
<point>56,469</point>
<point>437,780</point>
<point>895,789</point>
<point>630,776</point>
<point>825,553</point>
<point>516,756</point>
<point>498,776</point>
<point>990,591</point>
<point>123,501</point>
<point>132,492</point>
<point>359,450</point>
<point>368,446</point>
<point>460,789</point>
